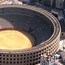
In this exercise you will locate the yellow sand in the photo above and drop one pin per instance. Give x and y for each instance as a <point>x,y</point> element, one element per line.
<point>15,40</point>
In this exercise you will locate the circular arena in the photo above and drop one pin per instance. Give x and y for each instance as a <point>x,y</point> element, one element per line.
<point>39,23</point>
